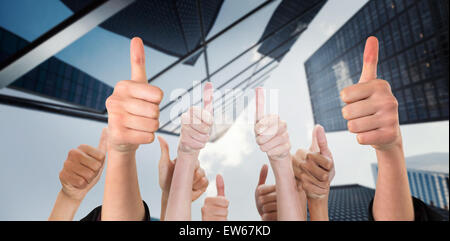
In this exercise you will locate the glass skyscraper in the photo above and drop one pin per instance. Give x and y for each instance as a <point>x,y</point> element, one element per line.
<point>233,44</point>
<point>413,58</point>
<point>428,178</point>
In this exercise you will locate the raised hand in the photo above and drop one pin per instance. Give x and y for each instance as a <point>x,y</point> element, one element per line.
<point>196,124</point>
<point>314,168</point>
<point>166,167</point>
<point>266,197</point>
<point>372,109</point>
<point>273,139</point>
<point>271,132</point>
<point>83,168</point>
<point>216,208</point>
<point>133,108</point>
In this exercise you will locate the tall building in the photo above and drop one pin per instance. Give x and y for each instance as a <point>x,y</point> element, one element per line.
<point>233,44</point>
<point>55,79</point>
<point>351,203</point>
<point>428,178</point>
<point>414,47</point>
<point>171,26</point>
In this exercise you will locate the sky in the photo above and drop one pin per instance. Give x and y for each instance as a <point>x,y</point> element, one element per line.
<point>34,145</point>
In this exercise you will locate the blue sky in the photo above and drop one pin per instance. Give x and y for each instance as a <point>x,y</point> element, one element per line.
<point>34,145</point>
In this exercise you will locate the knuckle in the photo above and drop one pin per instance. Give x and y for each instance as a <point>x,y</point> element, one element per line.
<point>73,154</point>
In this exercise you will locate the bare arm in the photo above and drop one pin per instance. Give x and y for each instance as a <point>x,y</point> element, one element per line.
<point>195,129</point>
<point>372,114</point>
<point>133,111</point>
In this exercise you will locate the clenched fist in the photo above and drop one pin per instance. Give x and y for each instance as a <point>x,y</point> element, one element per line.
<point>216,208</point>
<point>372,109</point>
<point>83,169</point>
<point>271,132</point>
<point>266,197</point>
<point>196,124</point>
<point>167,166</point>
<point>133,108</point>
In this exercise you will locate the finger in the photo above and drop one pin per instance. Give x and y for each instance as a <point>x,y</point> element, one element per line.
<point>376,137</point>
<point>86,160</point>
<point>364,124</point>
<point>259,103</point>
<point>263,175</point>
<point>313,167</point>
<point>369,71</point>
<point>219,201</point>
<point>134,137</point>
<point>139,90</point>
<point>359,109</point>
<point>300,155</point>
<point>220,186</point>
<point>322,142</point>
<point>89,151</point>
<point>139,123</point>
<point>199,174</point>
<point>141,108</point>
<point>200,184</point>
<point>321,160</point>
<point>314,145</point>
<point>102,144</point>
<point>273,216</point>
<point>208,92</point>
<point>81,170</point>
<point>274,142</point>
<point>265,189</point>
<point>165,155</point>
<point>271,197</point>
<point>270,207</point>
<point>137,59</point>
<point>267,128</point>
<point>357,92</point>
<point>71,178</point>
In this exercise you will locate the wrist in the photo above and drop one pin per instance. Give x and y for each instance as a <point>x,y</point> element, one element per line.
<point>391,156</point>
<point>318,208</point>
<point>71,199</point>
<point>120,157</point>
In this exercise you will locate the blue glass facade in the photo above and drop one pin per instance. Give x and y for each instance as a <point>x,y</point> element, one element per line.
<point>413,58</point>
<point>56,79</point>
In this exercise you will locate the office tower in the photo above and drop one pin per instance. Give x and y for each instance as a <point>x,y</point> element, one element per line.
<point>351,203</point>
<point>428,178</point>
<point>233,44</point>
<point>413,58</point>
<point>171,26</point>
<point>55,79</point>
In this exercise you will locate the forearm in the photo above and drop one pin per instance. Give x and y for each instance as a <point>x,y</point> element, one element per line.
<point>122,199</point>
<point>164,200</point>
<point>393,199</point>
<point>288,198</point>
<point>64,208</point>
<point>180,199</point>
<point>318,209</point>
<point>304,204</point>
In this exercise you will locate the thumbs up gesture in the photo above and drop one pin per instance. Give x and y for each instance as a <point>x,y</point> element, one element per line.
<point>314,168</point>
<point>266,197</point>
<point>166,168</point>
<point>196,125</point>
<point>133,108</point>
<point>216,208</point>
<point>83,168</point>
<point>271,132</point>
<point>372,109</point>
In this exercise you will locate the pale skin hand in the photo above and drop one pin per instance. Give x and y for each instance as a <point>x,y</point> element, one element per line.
<point>196,125</point>
<point>266,197</point>
<point>166,168</point>
<point>133,112</point>
<point>314,171</point>
<point>216,208</point>
<point>372,114</point>
<point>272,138</point>
<point>82,170</point>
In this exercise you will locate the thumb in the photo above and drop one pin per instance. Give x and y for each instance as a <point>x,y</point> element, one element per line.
<point>322,142</point>
<point>102,144</point>
<point>263,175</point>
<point>370,62</point>
<point>314,143</point>
<point>259,92</point>
<point>165,155</point>
<point>137,60</point>
<point>208,91</point>
<point>220,186</point>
